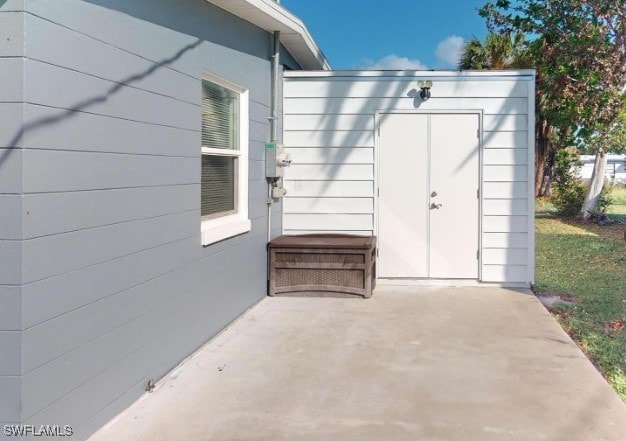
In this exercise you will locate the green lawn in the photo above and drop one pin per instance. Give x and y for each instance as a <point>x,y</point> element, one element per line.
<point>586,263</point>
<point>617,211</point>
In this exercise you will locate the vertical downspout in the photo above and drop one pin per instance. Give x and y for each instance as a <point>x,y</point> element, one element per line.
<point>273,123</point>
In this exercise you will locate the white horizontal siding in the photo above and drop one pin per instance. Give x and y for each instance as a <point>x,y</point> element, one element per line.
<point>323,222</point>
<point>505,123</point>
<point>505,224</point>
<point>326,172</point>
<point>332,155</point>
<point>355,106</point>
<point>505,273</point>
<point>322,88</point>
<point>329,138</point>
<point>329,121</point>
<point>509,256</point>
<point>339,121</point>
<point>330,133</point>
<point>502,156</point>
<point>329,205</point>
<point>505,240</point>
<point>505,190</point>
<point>352,232</point>
<point>442,75</point>
<point>505,207</point>
<point>505,173</point>
<point>505,140</point>
<point>329,189</point>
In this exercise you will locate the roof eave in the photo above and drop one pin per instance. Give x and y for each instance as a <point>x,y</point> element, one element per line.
<point>410,73</point>
<point>271,16</point>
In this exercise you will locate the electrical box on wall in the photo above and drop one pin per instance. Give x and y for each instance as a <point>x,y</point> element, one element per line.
<point>278,192</point>
<point>276,159</point>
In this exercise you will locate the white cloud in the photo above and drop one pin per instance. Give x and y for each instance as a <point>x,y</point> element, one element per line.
<point>449,51</point>
<point>393,62</point>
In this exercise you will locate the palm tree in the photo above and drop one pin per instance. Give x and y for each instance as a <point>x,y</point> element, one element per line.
<point>498,51</point>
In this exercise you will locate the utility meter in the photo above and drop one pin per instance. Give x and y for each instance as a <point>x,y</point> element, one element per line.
<point>276,159</point>
<point>278,192</point>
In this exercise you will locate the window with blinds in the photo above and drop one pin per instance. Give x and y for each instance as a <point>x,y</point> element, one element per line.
<point>218,185</point>
<point>220,121</point>
<point>220,150</point>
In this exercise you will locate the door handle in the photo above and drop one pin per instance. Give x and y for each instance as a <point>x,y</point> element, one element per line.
<point>434,206</point>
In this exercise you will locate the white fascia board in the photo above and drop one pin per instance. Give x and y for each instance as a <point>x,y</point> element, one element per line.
<point>527,74</point>
<point>271,16</point>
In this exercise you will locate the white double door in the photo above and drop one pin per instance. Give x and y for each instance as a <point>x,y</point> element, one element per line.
<point>428,205</point>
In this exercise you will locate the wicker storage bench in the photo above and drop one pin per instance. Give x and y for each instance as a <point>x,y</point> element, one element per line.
<point>322,264</point>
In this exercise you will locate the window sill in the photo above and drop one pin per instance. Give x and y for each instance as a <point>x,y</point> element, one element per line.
<point>215,230</point>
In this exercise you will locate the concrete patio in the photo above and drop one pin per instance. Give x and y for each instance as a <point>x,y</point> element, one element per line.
<point>411,363</point>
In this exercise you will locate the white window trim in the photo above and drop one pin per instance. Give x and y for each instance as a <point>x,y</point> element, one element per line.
<point>223,227</point>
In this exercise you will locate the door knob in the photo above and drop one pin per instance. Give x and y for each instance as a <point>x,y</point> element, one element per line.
<point>433,194</point>
<point>434,206</point>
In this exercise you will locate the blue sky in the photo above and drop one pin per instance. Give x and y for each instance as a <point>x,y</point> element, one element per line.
<point>390,34</point>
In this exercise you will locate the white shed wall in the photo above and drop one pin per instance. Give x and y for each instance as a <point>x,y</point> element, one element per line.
<point>330,131</point>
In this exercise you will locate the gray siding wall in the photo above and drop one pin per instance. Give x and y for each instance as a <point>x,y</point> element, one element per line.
<point>117,288</point>
<point>11,106</point>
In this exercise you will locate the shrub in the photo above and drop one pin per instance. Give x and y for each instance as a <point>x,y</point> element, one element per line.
<point>568,200</point>
<point>569,191</point>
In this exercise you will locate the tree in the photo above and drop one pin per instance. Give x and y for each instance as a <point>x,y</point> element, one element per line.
<point>578,48</point>
<point>503,51</point>
<point>608,139</point>
<point>499,51</point>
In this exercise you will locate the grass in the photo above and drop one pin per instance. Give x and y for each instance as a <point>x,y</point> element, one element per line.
<point>586,264</point>
<point>617,211</point>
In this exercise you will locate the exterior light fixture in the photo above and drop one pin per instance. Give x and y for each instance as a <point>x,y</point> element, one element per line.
<point>425,89</point>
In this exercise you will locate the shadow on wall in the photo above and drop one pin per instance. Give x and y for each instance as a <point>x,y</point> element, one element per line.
<point>202,20</point>
<point>351,97</point>
<point>417,102</point>
<point>393,92</point>
<point>89,102</point>
<point>368,107</point>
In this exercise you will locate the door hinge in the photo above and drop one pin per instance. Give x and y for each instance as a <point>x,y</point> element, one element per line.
<point>478,194</point>
<point>478,133</point>
<point>477,254</point>
<point>378,192</point>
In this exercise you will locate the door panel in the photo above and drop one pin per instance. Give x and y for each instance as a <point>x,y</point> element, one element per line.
<point>420,154</point>
<point>454,178</point>
<point>403,201</point>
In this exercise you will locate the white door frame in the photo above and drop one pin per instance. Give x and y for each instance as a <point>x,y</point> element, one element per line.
<point>378,115</point>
